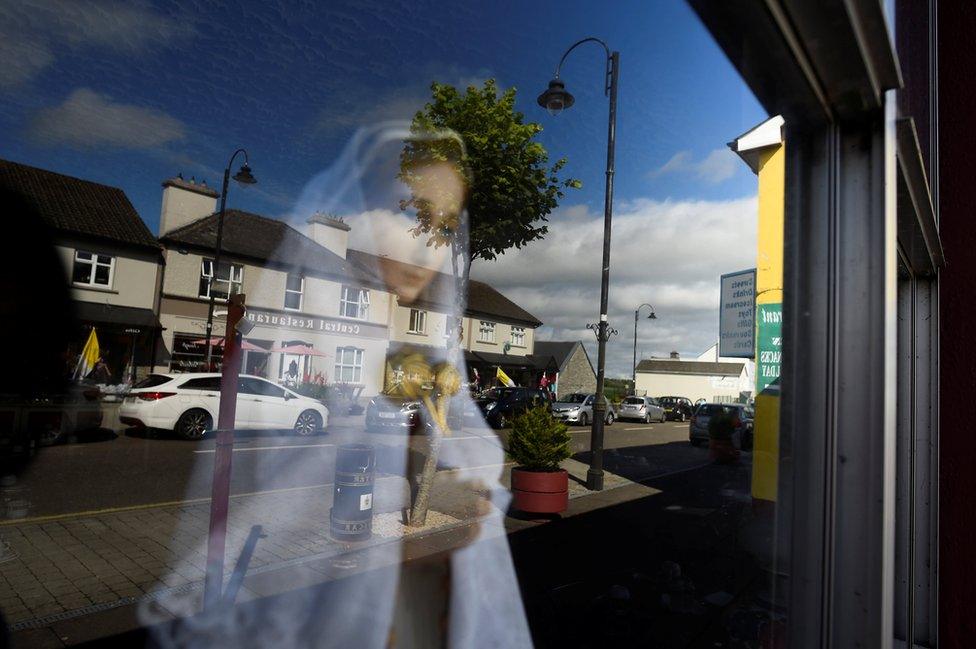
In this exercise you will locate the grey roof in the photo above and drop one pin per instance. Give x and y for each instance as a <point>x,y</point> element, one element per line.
<point>560,350</point>
<point>699,368</point>
<point>483,300</point>
<point>77,207</point>
<point>267,240</point>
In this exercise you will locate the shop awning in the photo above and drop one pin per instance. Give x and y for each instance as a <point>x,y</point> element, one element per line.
<point>120,317</point>
<point>533,362</point>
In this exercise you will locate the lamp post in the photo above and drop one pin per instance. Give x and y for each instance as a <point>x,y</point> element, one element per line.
<point>555,99</point>
<point>636,316</point>
<point>244,177</point>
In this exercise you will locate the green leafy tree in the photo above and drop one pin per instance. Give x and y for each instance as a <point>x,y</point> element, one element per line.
<point>481,184</point>
<point>539,442</point>
<point>472,152</point>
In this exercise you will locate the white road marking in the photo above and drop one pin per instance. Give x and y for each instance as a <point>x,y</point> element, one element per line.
<point>271,448</point>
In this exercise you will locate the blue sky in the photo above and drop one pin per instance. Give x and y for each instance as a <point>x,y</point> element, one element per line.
<point>130,94</point>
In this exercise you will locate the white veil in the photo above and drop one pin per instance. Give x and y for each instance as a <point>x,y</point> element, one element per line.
<point>464,593</point>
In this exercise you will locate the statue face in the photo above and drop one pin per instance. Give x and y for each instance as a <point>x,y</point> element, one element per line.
<point>441,189</point>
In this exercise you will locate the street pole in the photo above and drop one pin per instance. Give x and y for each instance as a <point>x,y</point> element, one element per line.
<point>216,265</point>
<point>243,176</point>
<point>223,454</point>
<point>595,473</point>
<point>555,99</point>
<point>634,365</point>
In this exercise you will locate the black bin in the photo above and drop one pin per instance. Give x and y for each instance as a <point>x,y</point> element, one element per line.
<point>351,517</point>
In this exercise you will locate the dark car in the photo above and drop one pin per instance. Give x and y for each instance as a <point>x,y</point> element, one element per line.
<point>742,419</point>
<point>396,413</point>
<point>676,408</point>
<point>386,412</point>
<point>504,404</point>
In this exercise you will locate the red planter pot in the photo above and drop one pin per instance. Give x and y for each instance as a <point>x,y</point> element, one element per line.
<point>540,492</point>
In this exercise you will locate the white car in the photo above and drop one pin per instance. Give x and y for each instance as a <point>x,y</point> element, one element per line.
<point>189,405</point>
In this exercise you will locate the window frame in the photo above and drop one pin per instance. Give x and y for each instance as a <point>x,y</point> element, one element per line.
<point>358,364</point>
<point>361,303</point>
<point>94,264</point>
<point>422,317</point>
<point>486,332</point>
<point>512,336</point>
<point>211,280</point>
<point>300,292</point>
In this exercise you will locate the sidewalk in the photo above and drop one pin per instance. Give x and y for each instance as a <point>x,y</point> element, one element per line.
<point>62,568</point>
<point>83,576</point>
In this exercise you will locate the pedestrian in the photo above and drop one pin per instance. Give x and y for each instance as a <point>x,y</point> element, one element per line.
<point>101,374</point>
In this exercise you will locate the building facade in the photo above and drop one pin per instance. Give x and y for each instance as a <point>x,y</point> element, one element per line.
<point>111,259</point>
<point>315,315</point>
<point>709,380</point>
<point>575,371</point>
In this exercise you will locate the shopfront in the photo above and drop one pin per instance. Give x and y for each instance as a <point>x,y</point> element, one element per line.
<point>126,337</point>
<point>293,349</point>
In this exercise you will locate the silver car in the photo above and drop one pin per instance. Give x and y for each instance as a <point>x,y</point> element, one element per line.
<point>578,409</point>
<point>645,409</point>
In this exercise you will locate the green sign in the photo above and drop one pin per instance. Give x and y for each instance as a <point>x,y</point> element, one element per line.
<point>769,343</point>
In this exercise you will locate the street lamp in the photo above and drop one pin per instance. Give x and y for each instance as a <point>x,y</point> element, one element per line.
<point>555,99</point>
<point>636,315</point>
<point>244,177</point>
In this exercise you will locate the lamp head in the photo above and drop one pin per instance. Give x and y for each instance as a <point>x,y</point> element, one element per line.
<point>244,176</point>
<point>556,98</point>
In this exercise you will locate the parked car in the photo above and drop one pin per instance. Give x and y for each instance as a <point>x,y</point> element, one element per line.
<point>577,408</point>
<point>502,405</point>
<point>677,408</point>
<point>189,404</point>
<point>742,420</point>
<point>644,409</point>
<point>27,424</point>
<point>386,412</point>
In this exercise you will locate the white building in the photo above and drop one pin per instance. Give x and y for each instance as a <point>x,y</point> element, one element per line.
<point>722,380</point>
<point>301,290</point>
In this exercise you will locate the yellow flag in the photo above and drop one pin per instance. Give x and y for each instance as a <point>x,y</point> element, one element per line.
<point>501,376</point>
<point>89,356</point>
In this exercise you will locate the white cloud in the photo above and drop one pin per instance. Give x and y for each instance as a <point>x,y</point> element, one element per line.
<point>718,166</point>
<point>88,119</point>
<point>667,253</point>
<point>34,32</point>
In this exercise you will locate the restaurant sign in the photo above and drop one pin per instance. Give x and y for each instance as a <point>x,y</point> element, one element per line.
<point>313,324</point>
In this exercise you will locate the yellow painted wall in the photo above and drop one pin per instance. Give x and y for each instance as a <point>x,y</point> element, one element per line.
<point>769,290</point>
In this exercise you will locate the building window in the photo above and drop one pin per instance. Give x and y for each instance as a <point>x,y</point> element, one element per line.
<point>518,336</point>
<point>486,332</point>
<point>418,321</point>
<point>229,280</point>
<point>354,303</point>
<point>294,287</point>
<point>349,365</point>
<point>91,269</point>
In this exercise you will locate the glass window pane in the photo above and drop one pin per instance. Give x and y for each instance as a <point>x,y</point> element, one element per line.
<point>82,273</point>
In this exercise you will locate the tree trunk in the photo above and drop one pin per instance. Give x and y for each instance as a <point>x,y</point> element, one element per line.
<point>418,512</point>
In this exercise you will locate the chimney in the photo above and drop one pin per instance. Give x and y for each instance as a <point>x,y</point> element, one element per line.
<point>329,232</point>
<point>675,356</point>
<point>185,201</point>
